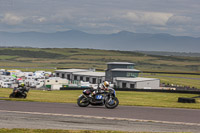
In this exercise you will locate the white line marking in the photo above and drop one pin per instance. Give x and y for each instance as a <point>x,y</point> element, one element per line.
<point>99,117</point>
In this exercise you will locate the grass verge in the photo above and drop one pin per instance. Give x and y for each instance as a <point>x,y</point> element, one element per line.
<point>153,99</point>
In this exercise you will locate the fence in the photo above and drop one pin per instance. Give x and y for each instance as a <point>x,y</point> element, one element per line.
<point>140,90</point>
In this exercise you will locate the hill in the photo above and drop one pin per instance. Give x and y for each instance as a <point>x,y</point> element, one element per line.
<point>93,58</point>
<point>123,40</point>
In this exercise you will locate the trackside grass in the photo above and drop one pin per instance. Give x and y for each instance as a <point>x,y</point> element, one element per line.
<point>63,131</point>
<point>153,99</point>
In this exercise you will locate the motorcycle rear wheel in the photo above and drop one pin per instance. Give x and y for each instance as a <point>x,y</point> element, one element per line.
<point>112,104</point>
<point>83,101</point>
<point>11,95</point>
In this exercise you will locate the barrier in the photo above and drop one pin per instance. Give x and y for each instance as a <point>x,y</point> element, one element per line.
<point>140,90</point>
<point>159,90</point>
<point>74,88</point>
<point>186,100</point>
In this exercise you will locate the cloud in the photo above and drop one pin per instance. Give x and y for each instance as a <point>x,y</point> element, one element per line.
<point>150,18</point>
<point>36,19</point>
<point>179,20</point>
<point>62,16</point>
<point>41,19</point>
<point>11,19</point>
<point>95,25</point>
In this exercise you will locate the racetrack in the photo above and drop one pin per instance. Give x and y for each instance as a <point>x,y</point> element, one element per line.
<point>69,116</point>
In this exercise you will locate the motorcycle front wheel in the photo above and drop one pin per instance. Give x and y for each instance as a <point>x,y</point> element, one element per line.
<point>24,95</point>
<point>111,103</point>
<point>83,101</point>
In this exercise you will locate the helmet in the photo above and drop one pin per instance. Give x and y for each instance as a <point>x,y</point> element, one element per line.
<point>106,84</point>
<point>22,84</point>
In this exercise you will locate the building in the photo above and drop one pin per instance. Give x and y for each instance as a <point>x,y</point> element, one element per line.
<point>81,75</point>
<point>55,83</point>
<point>89,76</point>
<point>121,74</point>
<point>137,83</point>
<point>120,69</point>
<point>69,73</point>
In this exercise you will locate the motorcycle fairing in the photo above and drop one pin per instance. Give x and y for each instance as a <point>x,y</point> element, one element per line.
<point>99,97</point>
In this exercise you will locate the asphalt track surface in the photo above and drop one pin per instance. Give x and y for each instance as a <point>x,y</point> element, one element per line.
<point>15,114</point>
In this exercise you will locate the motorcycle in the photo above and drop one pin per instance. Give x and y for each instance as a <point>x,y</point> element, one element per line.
<point>108,99</point>
<point>19,93</point>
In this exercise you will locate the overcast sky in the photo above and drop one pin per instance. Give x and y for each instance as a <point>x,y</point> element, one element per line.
<point>176,17</point>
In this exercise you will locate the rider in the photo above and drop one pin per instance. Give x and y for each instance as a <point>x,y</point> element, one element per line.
<point>105,85</point>
<point>102,87</point>
<point>22,85</point>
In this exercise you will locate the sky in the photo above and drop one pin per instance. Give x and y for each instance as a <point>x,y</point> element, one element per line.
<point>175,17</point>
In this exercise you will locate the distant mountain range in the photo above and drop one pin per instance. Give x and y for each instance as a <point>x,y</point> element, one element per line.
<point>123,40</point>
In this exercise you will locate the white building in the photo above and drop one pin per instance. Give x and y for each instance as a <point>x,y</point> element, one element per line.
<point>89,76</point>
<point>137,83</point>
<point>55,83</point>
<point>81,75</point>
<point>120,78</point>
<point>68,73</point>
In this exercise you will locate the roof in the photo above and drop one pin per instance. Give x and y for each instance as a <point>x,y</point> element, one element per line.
<point>138,79</point>
<point>72,70</point>
<point>90,73</point>
<point>122,63</point>
<point>125,70</point>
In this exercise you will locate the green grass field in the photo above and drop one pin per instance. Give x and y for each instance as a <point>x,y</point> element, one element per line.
<point>153,99</point>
